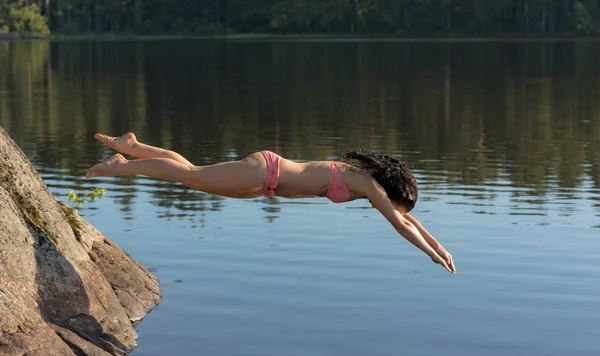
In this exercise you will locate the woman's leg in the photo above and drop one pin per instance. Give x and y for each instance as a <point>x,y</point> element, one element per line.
<point>236,179</point>
<point>129,145</point>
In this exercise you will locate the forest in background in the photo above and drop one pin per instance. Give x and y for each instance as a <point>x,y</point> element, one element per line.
<point>401,18</point>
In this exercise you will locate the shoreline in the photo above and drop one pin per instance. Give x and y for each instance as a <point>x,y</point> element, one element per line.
<point>299,38</point>
<point>17,37</point>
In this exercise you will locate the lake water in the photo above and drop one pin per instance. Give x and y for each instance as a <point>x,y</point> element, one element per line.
<point>504,139</point>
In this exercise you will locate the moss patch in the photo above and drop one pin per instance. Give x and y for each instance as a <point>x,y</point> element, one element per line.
<point>71,217</point>
<point>30,212</point>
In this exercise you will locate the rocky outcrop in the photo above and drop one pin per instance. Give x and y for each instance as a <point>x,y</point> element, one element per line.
<point>65,289</point>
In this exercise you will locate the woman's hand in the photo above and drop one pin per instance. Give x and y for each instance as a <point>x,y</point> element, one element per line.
<point>446,257</point>
<point>408,227</point>
<point>436,246</point>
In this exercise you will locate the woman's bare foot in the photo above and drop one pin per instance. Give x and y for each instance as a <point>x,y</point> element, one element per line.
<point>119,144</point>
<point>108,168</point>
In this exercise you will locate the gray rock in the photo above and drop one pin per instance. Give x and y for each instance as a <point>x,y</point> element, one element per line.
<point>65,289</point>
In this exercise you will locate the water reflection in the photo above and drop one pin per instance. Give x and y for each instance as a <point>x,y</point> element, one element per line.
<point>476,121</point>
<point>271,210</point>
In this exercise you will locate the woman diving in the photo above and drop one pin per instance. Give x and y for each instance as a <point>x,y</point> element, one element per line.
<point>386,182</point>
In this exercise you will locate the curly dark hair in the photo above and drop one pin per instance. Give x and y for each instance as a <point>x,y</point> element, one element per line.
<point>394,176</point>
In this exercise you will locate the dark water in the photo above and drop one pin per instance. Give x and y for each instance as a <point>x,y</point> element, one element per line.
<point>504,139</point>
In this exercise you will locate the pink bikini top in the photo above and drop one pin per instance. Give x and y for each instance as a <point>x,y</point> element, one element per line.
<point>338,191</point>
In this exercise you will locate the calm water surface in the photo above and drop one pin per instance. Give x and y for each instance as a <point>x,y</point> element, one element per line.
<point>504,139</point>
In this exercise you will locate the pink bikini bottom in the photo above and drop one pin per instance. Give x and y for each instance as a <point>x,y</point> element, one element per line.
<point>273,160</point>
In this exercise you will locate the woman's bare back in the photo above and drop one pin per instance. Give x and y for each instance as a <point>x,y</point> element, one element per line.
<point>311,179</point>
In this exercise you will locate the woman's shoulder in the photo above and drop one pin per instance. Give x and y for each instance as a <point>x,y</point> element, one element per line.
<point>355,178</point>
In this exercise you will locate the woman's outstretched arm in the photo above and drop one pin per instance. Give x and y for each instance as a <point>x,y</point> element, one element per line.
<point>432,242</point>
<point>403,226</point>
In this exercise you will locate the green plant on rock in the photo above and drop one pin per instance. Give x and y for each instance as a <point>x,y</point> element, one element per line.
<point>78,202</point>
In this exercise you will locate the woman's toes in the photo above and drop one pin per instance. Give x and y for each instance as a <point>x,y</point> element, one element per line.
<point>108,168</point>
<point>107,140</point>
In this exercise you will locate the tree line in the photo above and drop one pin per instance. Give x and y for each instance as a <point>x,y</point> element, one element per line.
<point>303,17</point>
